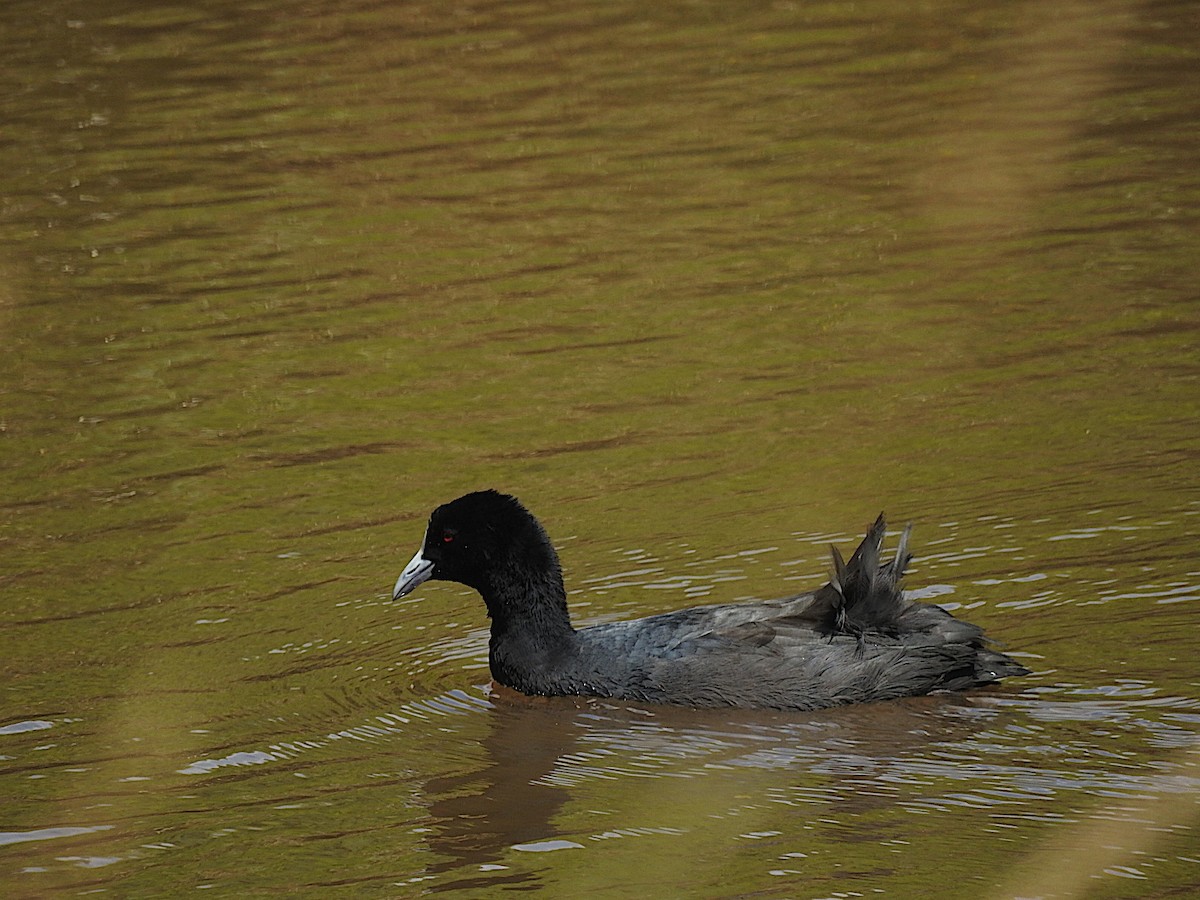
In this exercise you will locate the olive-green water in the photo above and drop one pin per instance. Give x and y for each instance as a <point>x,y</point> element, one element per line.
<point>707,285</point>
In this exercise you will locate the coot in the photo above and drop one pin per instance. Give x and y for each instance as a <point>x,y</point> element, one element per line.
<point>855,639</point>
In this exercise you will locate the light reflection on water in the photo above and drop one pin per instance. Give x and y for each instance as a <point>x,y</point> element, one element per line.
<point>1000,752</point>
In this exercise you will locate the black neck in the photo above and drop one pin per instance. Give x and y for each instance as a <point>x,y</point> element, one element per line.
<point>532,642</point>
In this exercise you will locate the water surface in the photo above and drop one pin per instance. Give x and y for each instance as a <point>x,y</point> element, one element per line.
<point>708,286</point>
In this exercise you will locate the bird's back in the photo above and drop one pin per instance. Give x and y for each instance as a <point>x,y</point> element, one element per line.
<point>856,639</point>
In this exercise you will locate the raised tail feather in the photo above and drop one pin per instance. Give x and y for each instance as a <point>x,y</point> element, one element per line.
<point>864,595</point>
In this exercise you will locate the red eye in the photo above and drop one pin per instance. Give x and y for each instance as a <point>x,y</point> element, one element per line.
<point>447,538</point>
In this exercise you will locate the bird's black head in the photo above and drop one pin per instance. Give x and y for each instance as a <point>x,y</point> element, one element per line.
<point>480,540</point>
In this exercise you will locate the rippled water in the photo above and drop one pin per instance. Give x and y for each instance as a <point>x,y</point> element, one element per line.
<point>708,287</point>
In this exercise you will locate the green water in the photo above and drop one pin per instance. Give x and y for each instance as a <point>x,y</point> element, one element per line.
<point>708,286</point>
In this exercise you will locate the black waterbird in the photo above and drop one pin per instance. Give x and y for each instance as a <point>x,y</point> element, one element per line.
<point>855,639</point>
